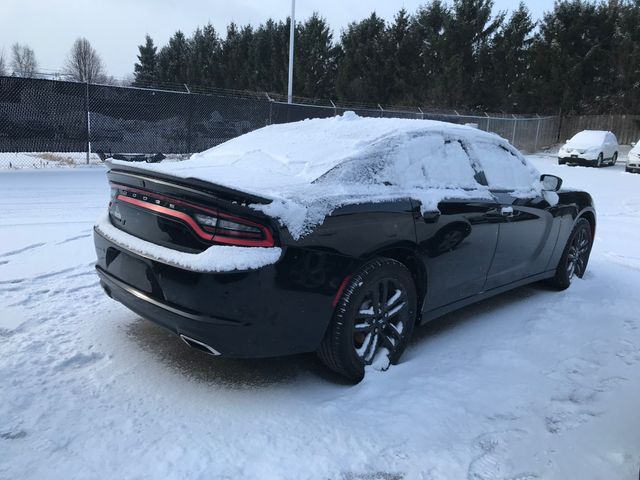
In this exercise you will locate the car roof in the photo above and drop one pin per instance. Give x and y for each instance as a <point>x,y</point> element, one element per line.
<point>299,153</point>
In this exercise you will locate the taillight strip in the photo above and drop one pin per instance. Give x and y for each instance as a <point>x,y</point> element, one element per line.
<point>267,241</point>
<point>165,198</point>
<point>170,213</point>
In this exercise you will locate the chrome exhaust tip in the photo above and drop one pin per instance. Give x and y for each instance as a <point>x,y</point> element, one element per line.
<point>203,347</point>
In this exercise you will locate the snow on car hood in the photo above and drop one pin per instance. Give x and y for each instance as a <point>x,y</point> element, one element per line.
<point>284,162</point>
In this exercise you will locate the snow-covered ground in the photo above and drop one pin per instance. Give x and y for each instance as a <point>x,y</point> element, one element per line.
<point>532,384</point>
<point>41,160</point>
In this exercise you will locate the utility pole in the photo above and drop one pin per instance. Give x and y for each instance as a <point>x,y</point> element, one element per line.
<point>291,40</point>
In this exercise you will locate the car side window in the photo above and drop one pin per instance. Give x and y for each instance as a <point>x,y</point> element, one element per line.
<point>443,163</point>
<point>503,169</point>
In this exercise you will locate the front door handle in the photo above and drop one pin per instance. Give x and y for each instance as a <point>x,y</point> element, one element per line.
<point>506,212</point>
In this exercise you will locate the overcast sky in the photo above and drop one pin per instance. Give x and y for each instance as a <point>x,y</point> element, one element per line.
<point>117,27</point>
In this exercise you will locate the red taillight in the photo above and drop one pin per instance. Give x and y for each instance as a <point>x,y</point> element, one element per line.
<point>232,230</point>
<point>209,224</point>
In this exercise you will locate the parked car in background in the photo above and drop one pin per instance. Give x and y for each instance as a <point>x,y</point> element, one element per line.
<point>592,147</point>
<point>633,159</point>
<point>334,235</point>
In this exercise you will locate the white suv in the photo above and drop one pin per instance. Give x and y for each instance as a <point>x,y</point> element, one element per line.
<point>633,159</point>
<point>593,147</point>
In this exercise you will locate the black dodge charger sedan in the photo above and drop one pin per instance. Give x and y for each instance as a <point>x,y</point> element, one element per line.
<point>336,236</point>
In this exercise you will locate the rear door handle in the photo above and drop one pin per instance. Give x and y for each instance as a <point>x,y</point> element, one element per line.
<point>431,216</point>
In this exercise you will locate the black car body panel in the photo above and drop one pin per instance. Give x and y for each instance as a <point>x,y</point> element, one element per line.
<point>466,251</point>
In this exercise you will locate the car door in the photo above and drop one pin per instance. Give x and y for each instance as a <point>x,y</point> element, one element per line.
<point>456,241</point>
<point>457,245</point>
<point>528,227</point>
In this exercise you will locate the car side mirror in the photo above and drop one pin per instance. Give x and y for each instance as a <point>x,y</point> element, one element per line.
<point>550,183</point>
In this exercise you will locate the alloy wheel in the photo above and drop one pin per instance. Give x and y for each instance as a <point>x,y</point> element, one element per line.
<point>578,254</point>
<point>381,320</point>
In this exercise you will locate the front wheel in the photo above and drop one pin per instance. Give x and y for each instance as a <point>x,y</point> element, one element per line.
<point>614,159</point>
<point>373,320</point>
<point>599,160</point>
<point>575,257</point>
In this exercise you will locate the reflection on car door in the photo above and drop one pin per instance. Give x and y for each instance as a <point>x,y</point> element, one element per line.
<point>457,246</point>
<point>528,231</point>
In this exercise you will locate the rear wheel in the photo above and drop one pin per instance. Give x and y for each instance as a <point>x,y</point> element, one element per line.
<point>614,159</point>
<point>373,320</point>
<point>575,257</point>
<point>599,160</point>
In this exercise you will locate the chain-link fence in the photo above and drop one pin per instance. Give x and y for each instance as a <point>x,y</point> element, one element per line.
<point>44,122</point>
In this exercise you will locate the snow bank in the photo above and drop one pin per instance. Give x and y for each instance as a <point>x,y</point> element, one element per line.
<point>217,258</point>
<point>310,168</point>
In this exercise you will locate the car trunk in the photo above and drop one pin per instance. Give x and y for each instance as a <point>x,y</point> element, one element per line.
<point>187,215</point>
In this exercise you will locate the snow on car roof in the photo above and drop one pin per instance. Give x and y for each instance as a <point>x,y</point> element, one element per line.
<point>298,153</point>
<point>589,137</point>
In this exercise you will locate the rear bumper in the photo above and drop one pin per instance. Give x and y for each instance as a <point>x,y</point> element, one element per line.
<point>271,311</point>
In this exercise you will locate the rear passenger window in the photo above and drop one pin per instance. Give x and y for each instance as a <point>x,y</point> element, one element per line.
<point>503,169</point>
<point>430,161</point>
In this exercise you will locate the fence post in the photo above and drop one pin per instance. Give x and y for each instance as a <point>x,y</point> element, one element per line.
<point>190,109</point>
<point>87,110</point>
<point>488,120</point>
<point>421,114</point>
<point>381,111</point>
<point>513,135</point>
<point>335,109</point>
<point>535,145</point>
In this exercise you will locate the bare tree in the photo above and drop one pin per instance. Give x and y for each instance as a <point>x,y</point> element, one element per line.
<point>23,61</point>
<point>84,64</point>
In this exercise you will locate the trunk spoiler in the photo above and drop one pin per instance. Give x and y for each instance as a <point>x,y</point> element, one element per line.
<point>192,185</point>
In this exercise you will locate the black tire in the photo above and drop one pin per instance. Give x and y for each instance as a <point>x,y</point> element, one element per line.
<point>614,159</point>
<point>561,162</point>
<point>339,349</point>
<point>599,160</point>
<point>575,256</point>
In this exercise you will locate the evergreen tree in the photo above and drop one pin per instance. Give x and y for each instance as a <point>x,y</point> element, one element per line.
<point>361,76</point>
<point>173,60</point>
<point>402,60</point>
<point>469,34</point>
<point>236,54</point>
<point>146,70</point>
<point>627,58</point>
<point>584,58</point>
<point>270,57</point>
<point>205,50</point>
<point>430,27</point>
<point>510,87</point>
<point>315,59</point>
<point>572,56</point>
